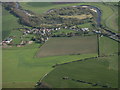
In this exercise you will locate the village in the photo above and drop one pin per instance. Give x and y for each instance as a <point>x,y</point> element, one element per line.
<point>41,35</point>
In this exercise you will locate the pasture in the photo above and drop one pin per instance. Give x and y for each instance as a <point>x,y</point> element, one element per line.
<point>112,21</point>
<point>21,69</point>
<point>9,25</point>
<point>68,45</point>
<point>107,46</point>
<point>100,71</point>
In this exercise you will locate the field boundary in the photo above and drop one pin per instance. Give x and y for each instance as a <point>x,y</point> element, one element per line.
<point>90,83</point>
<point>79,81</point>
<point>74,61</point>
<point>86,59</point>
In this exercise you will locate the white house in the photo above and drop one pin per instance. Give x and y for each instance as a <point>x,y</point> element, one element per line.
<point>65,26</point>
<point>85,29</point>
<point>8,40</point>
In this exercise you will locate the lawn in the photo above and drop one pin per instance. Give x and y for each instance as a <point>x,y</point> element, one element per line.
<point>22,70</point>
<point>68,45</point>
<point>102,71</point>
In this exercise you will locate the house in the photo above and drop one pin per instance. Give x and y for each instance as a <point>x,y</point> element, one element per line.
<point>56,29</point>
<point>85,29</point>
<point>8,40</point>
<point>65,27</point>
<point>96,31</point>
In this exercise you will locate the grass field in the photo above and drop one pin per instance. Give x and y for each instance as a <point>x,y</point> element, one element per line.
<point>112,21</point>
<point>68,45</point>
<point>22,70</point>
<point>108,46</point>
<point>9,24</point>
<point>102,71</point>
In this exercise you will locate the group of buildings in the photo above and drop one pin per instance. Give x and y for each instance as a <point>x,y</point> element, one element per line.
<point>43,34</point>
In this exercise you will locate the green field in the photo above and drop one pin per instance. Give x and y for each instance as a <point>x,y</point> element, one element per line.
<point>9,25</point>
<point>112,21</point>
<point>22,70</point>
<point>103,70</point>
<point>68,45</point>
<point>107,46</point>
